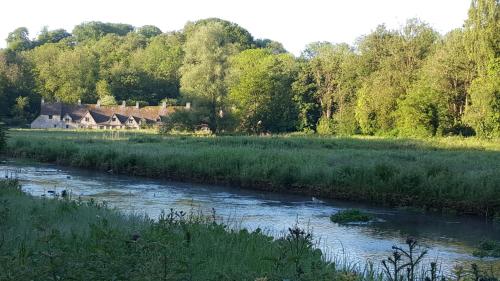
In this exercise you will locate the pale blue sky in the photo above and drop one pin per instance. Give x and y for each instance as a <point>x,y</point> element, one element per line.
<point>293,23</point>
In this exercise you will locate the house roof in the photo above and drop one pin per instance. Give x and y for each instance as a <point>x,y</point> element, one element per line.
<point>102,114</point>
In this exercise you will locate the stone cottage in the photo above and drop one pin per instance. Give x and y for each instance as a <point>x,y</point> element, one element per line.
<point>95,116</point>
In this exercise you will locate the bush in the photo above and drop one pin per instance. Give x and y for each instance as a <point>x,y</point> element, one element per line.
<point>351,215</point>
<point>326,126</point>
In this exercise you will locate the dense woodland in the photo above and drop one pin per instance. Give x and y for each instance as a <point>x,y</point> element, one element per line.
<point>411,81</point>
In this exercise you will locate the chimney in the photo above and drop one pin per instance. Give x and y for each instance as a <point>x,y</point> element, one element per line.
<point>164,105</point>
<point>137,104</point>
<point>79,102</point>
<point>98,103</point>
<point>43,101</point>
<point>124,104</point>
<point>188,105</point>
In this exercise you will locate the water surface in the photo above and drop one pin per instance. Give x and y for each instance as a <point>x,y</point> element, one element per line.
<point>449,239</point>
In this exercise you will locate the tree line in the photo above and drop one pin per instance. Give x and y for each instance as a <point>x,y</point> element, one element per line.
<point>410,81</point>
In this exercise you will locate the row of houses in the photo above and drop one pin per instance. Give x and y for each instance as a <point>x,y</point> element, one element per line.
<point>59,115</point>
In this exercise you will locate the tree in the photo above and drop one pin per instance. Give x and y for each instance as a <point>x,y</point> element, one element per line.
<point>66,74</point>
<point>51,36</point>
<point>484,112</point>
<point>304,88</point>
<point>334,74</point>
<point>95,30</point>
<point>159,64</point>
<point>18,40</point>
<point>207,51</point>
<point>390,62</point>
<point>482,30</point>
<point>16,82</point>
<point>274,46</point>
<point>261,91</point>
<point>149,31</point>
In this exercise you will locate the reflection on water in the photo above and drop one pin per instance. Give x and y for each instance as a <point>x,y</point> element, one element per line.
<point>448,238</point>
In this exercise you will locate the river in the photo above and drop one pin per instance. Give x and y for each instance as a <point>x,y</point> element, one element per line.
<point>449,239</point>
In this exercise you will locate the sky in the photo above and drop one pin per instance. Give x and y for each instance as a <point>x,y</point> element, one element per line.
<point>294,23</point>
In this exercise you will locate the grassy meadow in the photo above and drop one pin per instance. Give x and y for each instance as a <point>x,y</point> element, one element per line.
<point>445,174</point>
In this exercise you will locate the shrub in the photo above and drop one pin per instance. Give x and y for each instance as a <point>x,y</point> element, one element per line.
<point>326,126</point>
<point>351,215</point>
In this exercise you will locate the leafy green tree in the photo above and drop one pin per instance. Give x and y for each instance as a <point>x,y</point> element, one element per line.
<point>391,65</point>
<point>482,30</point>
<point>274,46</point>
<point>304,88</point>
<point>484,112</point>
<point>206,62</point>
<point>159,64</point>
<point>261,91</point>
<point>333,69</point>
<point>16,80</point>
<point>66,74</point>
<point>231,32</point>
<point>149,31</point>
<point>51,36</point>
<point>18,40</point>
<point>95,30</point>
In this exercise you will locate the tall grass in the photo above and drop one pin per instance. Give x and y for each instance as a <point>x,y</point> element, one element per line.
<point>452,174</point>
<point>50,239</point>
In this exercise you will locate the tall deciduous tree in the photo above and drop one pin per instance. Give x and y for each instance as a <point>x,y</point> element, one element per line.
<point>394,68</point>
<point>483,33</point>
<point>261,91</point>
<point>18,40</point>
<point>206,62</point>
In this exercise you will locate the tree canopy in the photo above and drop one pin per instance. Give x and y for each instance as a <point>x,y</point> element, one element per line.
<point>410,81</point>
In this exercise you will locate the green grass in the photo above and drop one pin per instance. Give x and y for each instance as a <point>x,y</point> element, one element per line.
<point>50,239</point>
<point>351,215</point>
<point>456,174</point>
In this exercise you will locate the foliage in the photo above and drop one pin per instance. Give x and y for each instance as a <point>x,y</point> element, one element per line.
<point>409,81</point>
<point>261,91</point>
<point>349,216</point>
<point>484,112</point>
<point>181,120</point>
<point>205,67</point>
<point>55,239</point>
<point>488,249</point>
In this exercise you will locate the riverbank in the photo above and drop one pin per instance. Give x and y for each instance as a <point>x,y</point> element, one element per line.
<point>450,175</point>
<point>51,239</point>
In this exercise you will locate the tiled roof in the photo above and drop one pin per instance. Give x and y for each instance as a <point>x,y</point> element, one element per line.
<point>51,108</point>
<point>103,114</point>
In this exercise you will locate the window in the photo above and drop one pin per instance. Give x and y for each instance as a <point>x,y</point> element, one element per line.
<point>131,120</point>
<point>55,126</point>
<point>67,119</point>
<point>87,119</point>
<point>50,116</point>
<point>113,119</point>
<point>67,126</point>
